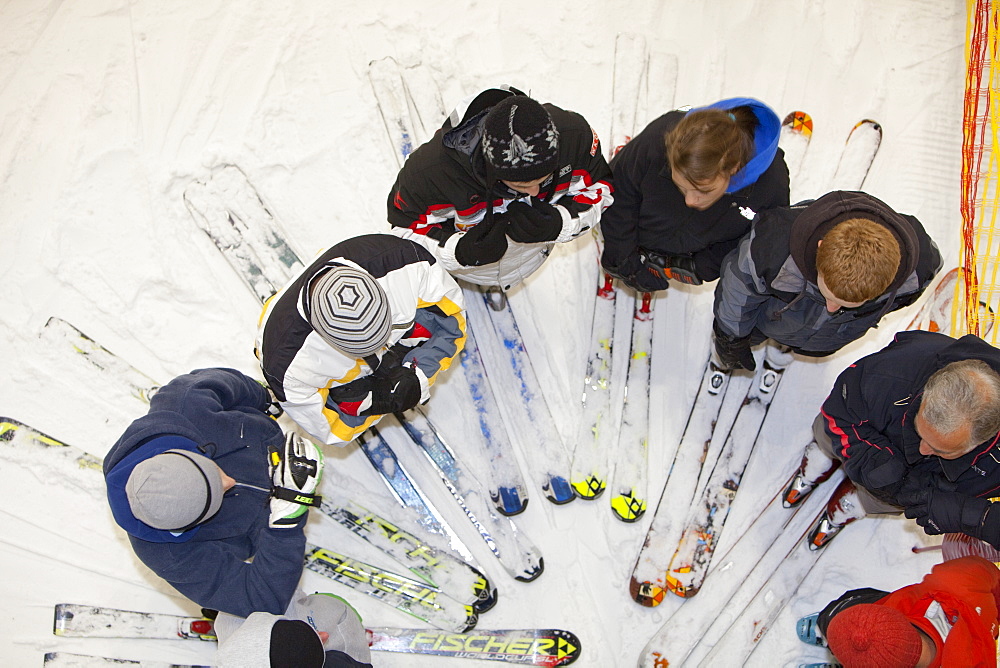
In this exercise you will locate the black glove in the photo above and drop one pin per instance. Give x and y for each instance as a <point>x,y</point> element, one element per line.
<point>940,511</point>
<point>680,268</point>
<point>485,243</point>
<point>632,272</point>
<point>733,351</point>
<point>389,390</point>
<point>536,223</point>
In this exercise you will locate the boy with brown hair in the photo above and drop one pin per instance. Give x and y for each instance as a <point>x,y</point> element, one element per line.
<point>816,276</point>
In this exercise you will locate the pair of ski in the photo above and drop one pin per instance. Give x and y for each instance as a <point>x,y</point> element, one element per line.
<point>599,435</point>
<point>502,381</point>
<point>534,647</point>
<point>230,210</point>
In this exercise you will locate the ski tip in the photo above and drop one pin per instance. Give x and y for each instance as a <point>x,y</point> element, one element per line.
<point>487,599</point>
<point>800,122</point>
<point>509,501</point>
<point>558,490</point>
<point>471,619</point>
<point>646,593</point>
<point>627,507</point>
<point>532,575</point>
<point>589,488</point>
<point>678,588</point>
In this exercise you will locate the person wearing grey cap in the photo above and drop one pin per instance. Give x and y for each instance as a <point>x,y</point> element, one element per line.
<point>207,480</point>
<point>317,631</point>
<point>361,332</point>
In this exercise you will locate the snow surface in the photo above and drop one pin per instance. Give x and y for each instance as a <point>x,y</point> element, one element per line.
<point>108,108</point>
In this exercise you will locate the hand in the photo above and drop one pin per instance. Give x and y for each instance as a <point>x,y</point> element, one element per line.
<point>948,512</point>
<point>733,351</point>
<point>680,268</point>
<point>536,223</point>
<point>645,280</point>
<point>624,268</point>
<point>484,243</point>
<point>296,470</point>
<point>394,391</point>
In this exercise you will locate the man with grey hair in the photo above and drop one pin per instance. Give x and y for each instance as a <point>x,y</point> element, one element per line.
<point>915,426</point>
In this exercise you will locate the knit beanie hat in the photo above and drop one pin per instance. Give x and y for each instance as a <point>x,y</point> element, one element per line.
<point>175,490</point>
<point>869,635</point>
<point>520,141</point>
<point>349,309</point>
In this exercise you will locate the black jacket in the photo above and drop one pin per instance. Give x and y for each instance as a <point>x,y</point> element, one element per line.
<point>649,211</point>
<point>869,416</point>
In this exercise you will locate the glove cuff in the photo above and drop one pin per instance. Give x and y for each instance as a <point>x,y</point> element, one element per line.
<point>295,496</point>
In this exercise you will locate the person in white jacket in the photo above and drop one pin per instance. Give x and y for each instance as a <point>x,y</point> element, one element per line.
<point>361,332</point>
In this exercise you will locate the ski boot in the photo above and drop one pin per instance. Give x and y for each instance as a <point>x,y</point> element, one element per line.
<point>843,508</point>
<point>808,630</point>
<point>815,469</point>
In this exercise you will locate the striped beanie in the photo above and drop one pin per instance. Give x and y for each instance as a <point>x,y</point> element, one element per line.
<point>349,309</point>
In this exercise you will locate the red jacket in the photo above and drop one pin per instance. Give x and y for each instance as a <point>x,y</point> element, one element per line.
<point>956,604</point>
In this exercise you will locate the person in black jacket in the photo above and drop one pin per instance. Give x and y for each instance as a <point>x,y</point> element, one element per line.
<point>503,180</point>
<point>816,276</point>
<point>686,189</point>
<point>916,427</point>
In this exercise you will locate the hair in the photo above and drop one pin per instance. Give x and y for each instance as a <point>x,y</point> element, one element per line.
<point>710,142</point>
<point>963,394</point>
<point>858,259</point>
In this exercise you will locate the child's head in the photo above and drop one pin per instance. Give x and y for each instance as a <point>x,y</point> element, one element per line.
<point>857,260</point>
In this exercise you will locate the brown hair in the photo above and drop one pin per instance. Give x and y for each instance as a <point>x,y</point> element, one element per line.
<point>710,142</point>
<point>858,259</point>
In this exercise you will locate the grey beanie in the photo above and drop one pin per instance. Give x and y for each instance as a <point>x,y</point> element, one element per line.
<point>520,141</point>
<point>349,309</point>
<point>175,490</point>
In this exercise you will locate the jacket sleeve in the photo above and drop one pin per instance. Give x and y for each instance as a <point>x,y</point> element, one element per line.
<point>855,425</point>
<point>969,575</point>
<point>219,400</point>
<point>230,584</point>
<point>440,312</point>
<point>740,294</point>
<point>620,223</point>
<point>308,407</point>
<point>589,193</point>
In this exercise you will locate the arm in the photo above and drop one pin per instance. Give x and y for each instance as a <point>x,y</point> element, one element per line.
<point>740,294</point>
<point>855,423</point>
<point>211,574</point>
<point>325,420</point>
<point>620,223</point>
<point>589,194</point>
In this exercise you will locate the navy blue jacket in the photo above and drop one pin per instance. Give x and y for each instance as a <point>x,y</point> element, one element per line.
<point>869,415</point>
<point>219,413</point>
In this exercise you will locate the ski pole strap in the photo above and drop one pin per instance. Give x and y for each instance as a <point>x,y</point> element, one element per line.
<point>294,495</point>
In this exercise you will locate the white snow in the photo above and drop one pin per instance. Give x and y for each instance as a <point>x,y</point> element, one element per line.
<point>108,108</point>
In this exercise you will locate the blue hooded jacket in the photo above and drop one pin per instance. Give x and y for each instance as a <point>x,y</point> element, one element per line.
<point>765,139</point>
<point>218,413</point>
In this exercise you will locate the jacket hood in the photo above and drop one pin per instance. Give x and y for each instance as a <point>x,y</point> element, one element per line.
<point>765,139</point>
<point>134,447</point>
<point>823,214</point>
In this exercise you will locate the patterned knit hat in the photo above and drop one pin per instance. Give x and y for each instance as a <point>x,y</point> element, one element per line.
<point>175,490</point>
<point>349,309</point>
<point>520,141</point>
<point>869,635</point>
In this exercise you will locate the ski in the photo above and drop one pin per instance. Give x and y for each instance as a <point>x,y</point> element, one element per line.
<point>72,620</point>
<point>507,487</point>
<point>595,437</point>
<point>707,517</point>
<point>61,333</point>
<point>419,599</point>
<point>796,131</point>
<point>628,486</point>
<point>858,155</point>
<point>532,647</point>
<point>518,390</point>
<point>383,458</point>
<point>436,567</point>
<point>231,212</point>
<point>515,552</point>
<point>774,532</point>
<point>67,660</point>
<point>629,72</point>
<point>404,129</point>
<point>648,583</point>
